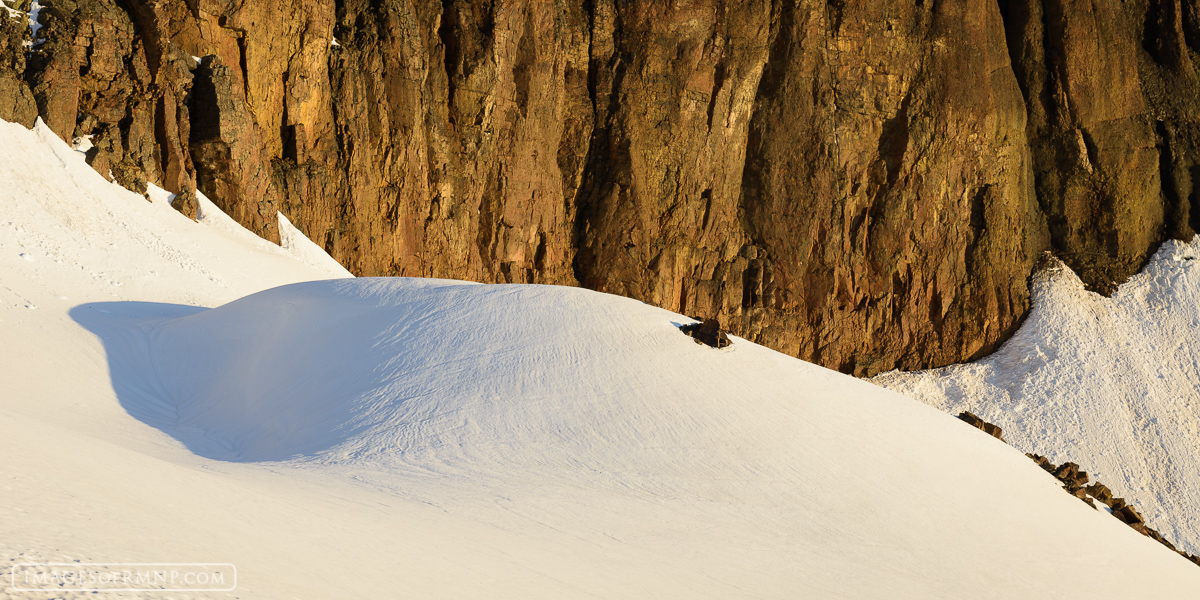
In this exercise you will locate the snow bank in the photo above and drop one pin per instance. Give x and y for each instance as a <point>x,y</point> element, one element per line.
<point>68,237</point>
<point>380,438</point>
<point>1110,383</point>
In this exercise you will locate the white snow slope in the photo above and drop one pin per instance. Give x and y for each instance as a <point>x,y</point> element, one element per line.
<point>1112,384</point>
<point>435,439</point>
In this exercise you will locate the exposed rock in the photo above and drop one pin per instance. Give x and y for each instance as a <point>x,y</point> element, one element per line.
<point>1042,462</point>
<point>90,76</point>
<point>888,184</point>
<point>1100,492</point>
<point>185,202</point>
<point>707,332</point>
<point>986,427</point>
<point>1113,103</point>
<point>1070,474</point>
<point>1128,514</point>
<point>1075,482</point>
<point>16,101</point>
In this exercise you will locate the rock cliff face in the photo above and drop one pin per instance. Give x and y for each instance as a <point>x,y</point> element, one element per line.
<point>1112,97</point>
<point>16,102</point>
<point>866,184</point>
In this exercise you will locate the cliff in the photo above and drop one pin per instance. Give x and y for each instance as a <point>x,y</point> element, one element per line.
<point>864,184</point>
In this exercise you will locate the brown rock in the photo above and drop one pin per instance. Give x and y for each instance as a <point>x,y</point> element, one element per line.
<point>1160,539</point>
<point>888,185</point>
<point>1130,515</point>
<point>16,101</point>
<point>707,332</point>
<point>1041,461</point>
<point>1080,493</point>
<point>986,427</point>
<point>1070,474</point>
<point>185,202</point>
<point>90,78</point>
<point>1100,492</point>
<point>1113,103</point>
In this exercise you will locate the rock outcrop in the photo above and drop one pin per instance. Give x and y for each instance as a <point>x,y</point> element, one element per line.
<point>707,332</point>
<point>978,423</point>
<point>866,185</point>
<point>16,100</point>
<point>1113,104</point>
<point>1075,482</point>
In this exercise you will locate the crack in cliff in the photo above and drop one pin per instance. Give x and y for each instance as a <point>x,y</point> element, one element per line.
<point>977,225</point>
<point>834,66</point>
<point>606,74</point>
<point>450,49</point>
<point>1177,206</point>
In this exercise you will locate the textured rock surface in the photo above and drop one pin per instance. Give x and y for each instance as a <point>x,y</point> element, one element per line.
<point>1112,99</point>
<point>889,187</point>
<point>865,184</point>
<point>16,101</point>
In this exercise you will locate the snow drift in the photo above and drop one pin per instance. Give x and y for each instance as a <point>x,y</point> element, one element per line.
<point>593,415</point>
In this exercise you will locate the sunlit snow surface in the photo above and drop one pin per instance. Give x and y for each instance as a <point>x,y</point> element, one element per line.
<point>174,399</point>
<point>1110,383</point>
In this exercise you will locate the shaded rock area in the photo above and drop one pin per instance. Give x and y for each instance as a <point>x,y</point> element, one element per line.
<point>16,100</point>
<point>186,203</point>
<point>707,332</point>
<point>982,425</point>
<point>1076,483</point>
<point>1113,101</point>
<point>863,184</point>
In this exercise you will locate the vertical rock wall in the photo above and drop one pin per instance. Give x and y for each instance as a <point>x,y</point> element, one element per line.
<point>888,190</point>
<point>1112,98</point>
<point>864,184</point>
<point>16,101</point>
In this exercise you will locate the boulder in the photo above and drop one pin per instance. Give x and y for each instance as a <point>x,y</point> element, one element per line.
<point>1128,514</point>
<point>185,202</point>
<point>986,427</point>
<point>707,332</point>
<point>1100,492</point>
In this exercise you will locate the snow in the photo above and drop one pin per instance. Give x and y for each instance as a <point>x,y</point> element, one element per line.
<point>35,9</point>
<point>82,144</point>
<point>426,438</point>
<point>1112,384</point>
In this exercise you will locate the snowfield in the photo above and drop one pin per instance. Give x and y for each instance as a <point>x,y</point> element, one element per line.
<point>183,393</point>
<point>1110,383</point>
